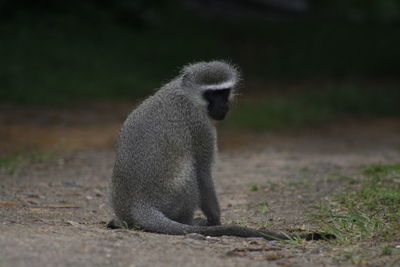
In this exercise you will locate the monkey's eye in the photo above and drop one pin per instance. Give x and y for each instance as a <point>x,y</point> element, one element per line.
<point>210,95</point>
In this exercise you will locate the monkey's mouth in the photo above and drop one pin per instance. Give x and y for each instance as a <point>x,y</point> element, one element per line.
<point>218,115</point>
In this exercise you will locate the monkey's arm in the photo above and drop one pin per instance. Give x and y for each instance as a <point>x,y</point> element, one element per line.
<point>205,153</point>
<point>209,201</point>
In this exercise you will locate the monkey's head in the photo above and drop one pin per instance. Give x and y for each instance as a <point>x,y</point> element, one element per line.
<point>211,86</point>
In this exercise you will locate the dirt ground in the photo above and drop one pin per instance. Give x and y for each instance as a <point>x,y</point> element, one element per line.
<point>53,212</point>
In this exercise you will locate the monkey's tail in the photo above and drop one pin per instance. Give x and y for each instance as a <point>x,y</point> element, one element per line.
<point>233,230</point>
<point>156,221</point>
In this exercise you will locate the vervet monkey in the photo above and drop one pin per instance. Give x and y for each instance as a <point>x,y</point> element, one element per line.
<point>166,152</point>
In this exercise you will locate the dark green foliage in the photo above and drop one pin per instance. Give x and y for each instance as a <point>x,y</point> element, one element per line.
<point>315,106</point>
<point>80,50</point>
<point>58,59</point>
<point>360,10</point>
<point>319,48</point>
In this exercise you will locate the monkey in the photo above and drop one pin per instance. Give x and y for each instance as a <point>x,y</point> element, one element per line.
<point>166,153</point>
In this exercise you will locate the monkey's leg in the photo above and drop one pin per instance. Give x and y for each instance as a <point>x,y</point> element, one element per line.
<point>153,220</point>
<point>186,217</point>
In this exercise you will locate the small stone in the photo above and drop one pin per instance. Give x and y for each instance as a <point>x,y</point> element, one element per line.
<point>33,195</point>
<point>272,257</point>
<point>232,253</point>
<point>196,236</point>
<point>253,242</point>
<point>315,251</point>
<point>29,201</point>
<point>76,224</point>
<point>98,193</point>
<point>71,184</point>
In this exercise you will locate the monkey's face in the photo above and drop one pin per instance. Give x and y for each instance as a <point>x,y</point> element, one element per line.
<point>217,103</point>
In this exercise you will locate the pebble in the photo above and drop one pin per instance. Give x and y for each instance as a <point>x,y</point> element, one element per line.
<point>196,236</point>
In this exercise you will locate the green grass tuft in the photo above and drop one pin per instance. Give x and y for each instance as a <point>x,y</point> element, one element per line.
<point>370,211</point>
<point>10,163</point>
<point>255,187</point>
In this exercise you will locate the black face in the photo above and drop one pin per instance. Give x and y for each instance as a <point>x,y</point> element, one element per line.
<point>218,104</point>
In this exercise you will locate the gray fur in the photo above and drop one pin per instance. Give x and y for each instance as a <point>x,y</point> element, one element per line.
<point>165,156</point>
<point>164,159</point>
<point>206,73</point>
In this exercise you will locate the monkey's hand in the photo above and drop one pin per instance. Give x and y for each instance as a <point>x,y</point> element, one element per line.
<point>213,222</point>
<point>214,218</point>
<point>210,208</point>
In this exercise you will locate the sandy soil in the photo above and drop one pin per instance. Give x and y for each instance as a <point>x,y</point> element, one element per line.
<point>53,213</point>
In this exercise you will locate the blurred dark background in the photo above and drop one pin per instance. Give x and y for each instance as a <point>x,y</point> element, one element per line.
<point>303,61</point>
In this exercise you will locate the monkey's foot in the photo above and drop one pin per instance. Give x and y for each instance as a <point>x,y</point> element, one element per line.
<point>117,224</point>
